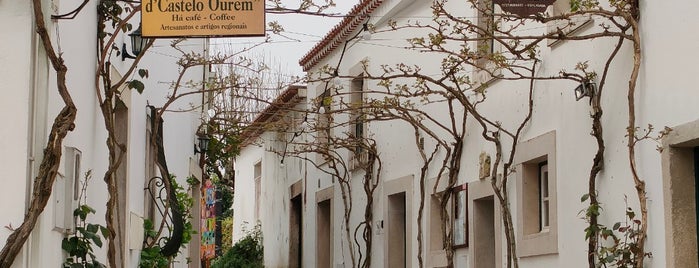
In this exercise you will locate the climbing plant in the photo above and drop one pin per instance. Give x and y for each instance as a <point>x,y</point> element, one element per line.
<point>79,244</point>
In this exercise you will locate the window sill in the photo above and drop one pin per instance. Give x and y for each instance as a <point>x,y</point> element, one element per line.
<point>461,246</point>
<point>357,163</point>
<point>539,234</point>
<point>576,24</point>
<point>537,244</point>
<point>483,79</point>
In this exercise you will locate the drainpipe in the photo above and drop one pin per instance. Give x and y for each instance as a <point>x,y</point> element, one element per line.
<point>31,126</point>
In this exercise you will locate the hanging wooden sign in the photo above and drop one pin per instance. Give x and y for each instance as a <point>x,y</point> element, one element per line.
<point>524,8</point>
<point>202,18</point>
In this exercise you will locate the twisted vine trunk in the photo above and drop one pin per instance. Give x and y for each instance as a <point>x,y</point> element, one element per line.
<point>116,156</point>
<point>598,160</point>
<point>454,169</point>
<point>631,136</point>
<point>48,169</point>
<point>369,188</point>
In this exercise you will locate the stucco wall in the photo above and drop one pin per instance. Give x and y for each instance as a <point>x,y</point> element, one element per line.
<point>31,102</point>
<point>665,97</point>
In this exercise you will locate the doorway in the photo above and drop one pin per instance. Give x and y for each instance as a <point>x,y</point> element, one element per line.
<point>324,235</point>
<point>296,233</point>
<point>484,232</point>
<point>396,232</point>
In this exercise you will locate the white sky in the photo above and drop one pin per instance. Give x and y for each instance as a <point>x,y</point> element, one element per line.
<point>303,32</point>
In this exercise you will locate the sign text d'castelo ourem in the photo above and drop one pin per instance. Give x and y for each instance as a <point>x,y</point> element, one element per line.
<point>202,18</point>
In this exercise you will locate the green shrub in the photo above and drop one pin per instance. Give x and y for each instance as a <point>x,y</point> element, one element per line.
<point>246,253</point>
<point>226,234</point>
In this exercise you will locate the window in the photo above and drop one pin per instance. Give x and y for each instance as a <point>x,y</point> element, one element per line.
<point>258,189</point>
<point>356,102</point>
<point>561,7</point>
<point>356,123</point>
<point>486,22</point>
<point>485,70</point>
<point>536,189</point>
<point>323,126</point>
<point>460,228</point>
<point>544,197</point>
<point>67,191</point>
<point>537,199</point>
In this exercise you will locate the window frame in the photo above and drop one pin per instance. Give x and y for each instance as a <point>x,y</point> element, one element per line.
<point>324,119</point>
<point>356,120</point>
<point>460,196</point>
<point>257,179</point>
<point>530,157</point>
<point>484,71</point>
<point>68,192</point>
<point>486,21</point>
<point>544,198</point>
<point>577,22</point>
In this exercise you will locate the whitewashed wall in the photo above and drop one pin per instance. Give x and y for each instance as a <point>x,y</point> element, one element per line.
<point>666,97</point>
<point>29,84</point>
<point>275,196</point>
<point>16,69</point>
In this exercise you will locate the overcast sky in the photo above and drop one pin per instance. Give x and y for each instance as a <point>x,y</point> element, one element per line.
<point>302,32</point>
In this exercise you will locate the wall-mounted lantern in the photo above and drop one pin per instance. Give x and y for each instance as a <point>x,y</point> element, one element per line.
<point>138,44</point>
<point>586,89</point>
<point>203,140</point>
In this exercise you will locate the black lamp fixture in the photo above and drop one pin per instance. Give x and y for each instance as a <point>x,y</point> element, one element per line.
<point>586,88</point>
<point>138,43</point>
<point>203,140</point>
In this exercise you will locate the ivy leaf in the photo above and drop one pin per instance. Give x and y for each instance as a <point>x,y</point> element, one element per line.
<point>143,73</point>
<point>575,5</point>
<point>92,228</point>
<point>105,231</point>
<point>584,198</point>
<point>137,85</point>
<point>97,241</point>
<point>67,245</point>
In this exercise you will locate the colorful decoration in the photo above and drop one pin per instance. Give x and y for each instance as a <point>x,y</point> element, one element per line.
<point>208,221</point>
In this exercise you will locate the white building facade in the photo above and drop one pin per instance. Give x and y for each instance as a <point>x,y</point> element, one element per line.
<point>32,102</point>
<point>555,144</point>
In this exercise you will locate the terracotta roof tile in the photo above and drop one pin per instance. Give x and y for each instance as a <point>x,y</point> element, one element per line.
<point>256,128</point>
<point>339,33</point>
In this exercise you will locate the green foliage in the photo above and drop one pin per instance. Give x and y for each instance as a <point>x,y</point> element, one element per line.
<point>79,244</point>
<point>224,196</point>
<point>143,73</point>
<point>137,85</point>
<point>248,252</point>
<point>222,148</point>
<point>620,244</point>
<point>226,234</point>
<point>578,5</point>
<point>184,204</point>
<point>150,255</point>
<point>624,247</point>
